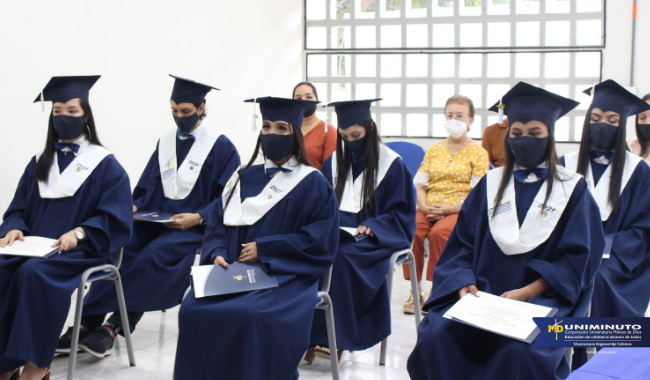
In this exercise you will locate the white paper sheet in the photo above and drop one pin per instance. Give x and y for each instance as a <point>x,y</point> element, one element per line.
<point>200,275</point>
<point>33,246</point>
<point>499,315</point>
<point>352,231</point>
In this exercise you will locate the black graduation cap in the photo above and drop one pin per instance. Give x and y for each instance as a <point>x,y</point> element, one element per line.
<point>351,112</point>
<point>289,110</point>
<point>525,102</point>
<point>189,91</point>
<point>62,89</point>
<point>611,96</point>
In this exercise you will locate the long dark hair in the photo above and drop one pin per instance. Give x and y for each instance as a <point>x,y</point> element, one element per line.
<point>370,165</point>
<point>584,157</point>
<point>297,151</point>
<point>313,89</point>
<point>44,163</point>
<point>551,163</point>
<point>639,136</point>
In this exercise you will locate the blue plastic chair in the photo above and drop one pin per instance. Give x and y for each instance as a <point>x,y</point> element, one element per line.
<point>412,154</point>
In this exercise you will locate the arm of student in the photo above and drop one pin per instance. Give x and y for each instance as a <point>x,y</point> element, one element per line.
<point>226,162</point>
<point>14,217</point>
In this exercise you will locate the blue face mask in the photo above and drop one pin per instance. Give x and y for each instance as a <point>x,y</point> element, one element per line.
<point>187,123</point>
<point>69,127</point>
<point>276,147</point>
<point>358,147</point>
<point>529,151</point>
<point>603,135</point>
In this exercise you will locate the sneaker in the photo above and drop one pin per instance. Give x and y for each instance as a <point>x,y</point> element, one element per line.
<point>63,347</point>
<point>99,343</point>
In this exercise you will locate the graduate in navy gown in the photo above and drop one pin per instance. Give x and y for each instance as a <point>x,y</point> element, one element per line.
<point>620,183</point>
<point>376,200</point>
<point>283,214</point>
<point>74,191</point>
<point>542,243</point>
<point>184,177</point>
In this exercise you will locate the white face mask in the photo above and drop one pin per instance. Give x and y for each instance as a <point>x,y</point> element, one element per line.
<point>456,128</point>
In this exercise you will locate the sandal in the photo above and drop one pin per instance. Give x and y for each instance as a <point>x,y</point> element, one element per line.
<point>310,355</point>
<point>324,352</point>
<point>409,306</point>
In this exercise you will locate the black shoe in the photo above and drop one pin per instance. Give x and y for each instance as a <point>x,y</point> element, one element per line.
<point>65,341</point>
<point>99,343</point>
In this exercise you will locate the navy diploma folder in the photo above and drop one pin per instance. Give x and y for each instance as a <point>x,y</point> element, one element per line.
<point>237,278</point>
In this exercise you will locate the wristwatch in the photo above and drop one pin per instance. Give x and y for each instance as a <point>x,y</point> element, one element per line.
<point>80,235</point>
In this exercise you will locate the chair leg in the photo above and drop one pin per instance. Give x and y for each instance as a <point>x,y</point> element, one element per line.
<point>76,327</point>
<point>331,336</point>
<point>389,283</point>
<point>125,318</point>
<point>414,288</point>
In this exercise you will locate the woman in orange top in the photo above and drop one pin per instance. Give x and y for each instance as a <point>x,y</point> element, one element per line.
<point>320,142</point>
<point>450,169</point>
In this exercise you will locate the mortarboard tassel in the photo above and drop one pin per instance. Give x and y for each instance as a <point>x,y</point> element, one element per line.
<point>254,116</point>
<point>501,106</point>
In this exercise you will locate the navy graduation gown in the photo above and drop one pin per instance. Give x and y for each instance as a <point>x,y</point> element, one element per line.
<point>622,285</point>
<point>358,289</point>
<point>35,293</point>
<point>157,261</point>
<point>447,349</point>
<point>264,333</point>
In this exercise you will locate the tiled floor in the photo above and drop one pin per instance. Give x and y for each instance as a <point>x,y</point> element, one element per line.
<point>155,346</point>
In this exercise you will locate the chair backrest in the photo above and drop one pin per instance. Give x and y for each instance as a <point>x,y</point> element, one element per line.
<point>412,154</point>
<point>327,280</point>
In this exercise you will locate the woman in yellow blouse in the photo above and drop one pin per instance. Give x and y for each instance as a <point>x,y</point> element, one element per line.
<point>451,168</point>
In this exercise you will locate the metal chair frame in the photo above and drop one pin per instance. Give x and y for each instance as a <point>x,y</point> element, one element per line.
<point>326,305</point>
<point>398,258</point>
<point>103,272</point>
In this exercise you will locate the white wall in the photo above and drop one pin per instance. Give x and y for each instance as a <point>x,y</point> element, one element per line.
<point>245,48</point>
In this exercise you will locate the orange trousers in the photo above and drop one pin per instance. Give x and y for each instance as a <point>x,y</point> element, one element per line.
<point>437,233</point>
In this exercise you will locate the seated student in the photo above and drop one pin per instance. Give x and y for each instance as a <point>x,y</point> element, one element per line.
<point>74,191</point>
<point>620,183</point>
<point>641,146</point>
<point>375,194</point>
<point>185,177</point>
<point>449,171</point>
<point>282,214</point>
<point>524,251</point>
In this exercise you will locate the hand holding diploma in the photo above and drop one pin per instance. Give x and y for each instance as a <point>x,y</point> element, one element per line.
<point>220,261</point>
<point>184,221</point>
<point>364,230</point>
<point>467,289</point>
<point>10,237</point>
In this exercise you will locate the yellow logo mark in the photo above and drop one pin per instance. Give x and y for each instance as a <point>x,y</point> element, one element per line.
<point>239,277</point>
<point>191,167</point>
<point>270,196</point>
<point>556,328</point>
<point>544,213</point>
<point>168,164</point>
<point>78,169</point>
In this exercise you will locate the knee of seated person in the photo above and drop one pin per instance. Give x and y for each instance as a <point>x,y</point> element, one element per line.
<point>437,234</point>
<point>30,269</point>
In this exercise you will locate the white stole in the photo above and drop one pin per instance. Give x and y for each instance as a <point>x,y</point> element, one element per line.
<point>66,184</point>
<point>539,224</point>
<point>351,199</point>
<point>247,213</point>
<point>601,190</point>
<point>178,182</point>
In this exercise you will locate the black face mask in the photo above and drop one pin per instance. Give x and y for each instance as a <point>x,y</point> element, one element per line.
<point>187,123</point>
<point>276,147</point>
<point>358,147</point>
<point>310,109</point>
<point>529,151</point>
<point>603,135</point>
<point>69,127</point>
<point>645,130</point>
